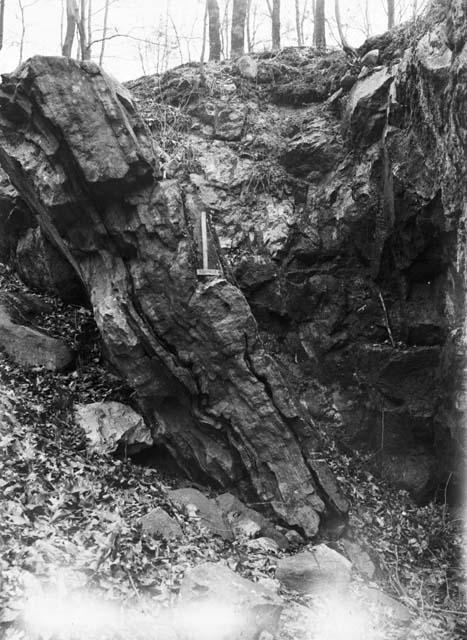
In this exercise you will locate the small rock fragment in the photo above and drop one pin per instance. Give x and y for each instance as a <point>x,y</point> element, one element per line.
<point>248,67</point>
<point>315,571</point>
<point>387,605</point>
<point>106,424</point>
<point>206,509</point>
<point>371,58</point>
<point>263,545</point>
<point>31,348</point>
<point>359,558</point>
<point>158,523</point>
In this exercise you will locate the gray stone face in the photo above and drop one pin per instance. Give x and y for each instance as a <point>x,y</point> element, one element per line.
<point>159,524</point>
<point>108,424</point>
<point>318,571</point>
<point>41,266</point>
<point>189,347</point>
<point>250,609</point>
<point>27,346</point>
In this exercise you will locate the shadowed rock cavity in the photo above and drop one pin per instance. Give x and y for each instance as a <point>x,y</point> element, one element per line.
<point>81,158</point>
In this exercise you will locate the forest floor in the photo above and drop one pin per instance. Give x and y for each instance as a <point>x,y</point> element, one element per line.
<point>70,521</point>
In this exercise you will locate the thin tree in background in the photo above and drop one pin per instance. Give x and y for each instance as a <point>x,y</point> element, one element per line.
<point>104,32</point>
<point>203,46</point>
<point>298,24</point>
<point>72,18</point>
<point>85,47</point>
<point>391,13</point>
<point>275,13</point>
<point>319,32</point>
<point>23,30</point>
<point>237,36</point>
<point>214,30</point>
<point>249,40</point>
<point>2,21</point>
<point>345,44</point>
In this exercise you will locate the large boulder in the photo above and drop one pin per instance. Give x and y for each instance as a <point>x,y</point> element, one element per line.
<point>187,344</point>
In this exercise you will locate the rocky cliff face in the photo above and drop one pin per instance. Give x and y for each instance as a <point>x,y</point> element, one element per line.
<point>336,207</point>
<point>339,205</point>
<point>81,157</point>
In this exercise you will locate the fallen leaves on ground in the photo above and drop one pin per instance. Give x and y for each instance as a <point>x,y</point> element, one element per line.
<point>72,519</point>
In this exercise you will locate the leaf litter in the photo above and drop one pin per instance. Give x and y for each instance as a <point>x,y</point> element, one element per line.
<point>70,520</point>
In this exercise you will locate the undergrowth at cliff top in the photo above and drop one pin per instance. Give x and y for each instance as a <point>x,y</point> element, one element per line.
<point>73,518</point>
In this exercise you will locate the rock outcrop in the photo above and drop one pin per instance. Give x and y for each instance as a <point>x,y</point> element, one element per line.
<point>342,222</point>
<point>187,344</point>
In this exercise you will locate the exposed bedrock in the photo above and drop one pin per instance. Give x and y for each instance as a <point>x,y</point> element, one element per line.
<point>342,219</point>
<point>80,156</point>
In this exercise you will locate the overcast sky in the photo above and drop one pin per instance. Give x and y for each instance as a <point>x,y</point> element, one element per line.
<point>140,21</point>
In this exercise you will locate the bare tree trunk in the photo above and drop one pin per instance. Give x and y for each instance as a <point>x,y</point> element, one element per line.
<point>203,47</point>
<point>238,27</point>
<point>414,8</point>
<point>23,31</point>
<point>367,20</point>
<point>391,13</point>
<point>298,24</point>
<point>304,14</point>
<point>104,32</point>
<point>89,25</point>
<point>248,27</point>
<point>62,22</point>
<point>71,20</point>
<point>276,24</point>
<point>319,33</point>
<point>177,38</point>
<point>83,41</point>
<point>214,30</point>
<point>343,39</point>
<point>2,21</point>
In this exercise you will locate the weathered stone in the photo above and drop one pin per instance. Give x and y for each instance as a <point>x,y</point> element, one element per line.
<point>159,524</point>
<point>316,571</point>
<point>386,605</point>
<point>365,114</point>
<point>190,348</point>
<point>314,151</point>
<point>412,470</point>
<point>229,121</point>
<point>348,81</point>
<point>359,558</point>
<point>15,218</point>
<point>235,512</point>
<point>249,608</point>
<point>108,424</point>
<point>41,266</point>
<point>248,67</point>
<point>205,509</point>
<point>29,347</point>
<point>370,59</point>
<point>263,545</point>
